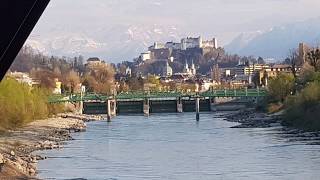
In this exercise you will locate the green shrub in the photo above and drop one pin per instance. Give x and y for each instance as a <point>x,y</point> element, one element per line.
<point>280,87</point>
<point>303,110</point>
<point>21,104</point>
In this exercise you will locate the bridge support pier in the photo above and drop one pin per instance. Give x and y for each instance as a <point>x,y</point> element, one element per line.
<point>146,107</point>
<point>179,105</point>
<point>198,109</point>
<point>112,110</point>
<point>213,104</point>
<point>81,108</point>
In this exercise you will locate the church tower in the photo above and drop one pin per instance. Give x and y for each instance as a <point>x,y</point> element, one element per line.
<point>193,70</point>
<point>186,68</point>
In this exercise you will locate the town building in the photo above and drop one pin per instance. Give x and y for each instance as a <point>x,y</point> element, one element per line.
<point>167,70</point>
<point>273,71</point>
<point>128,71</point>
<point>254,68</point>
<point>24,78</point>
<point>58,84</point>
<point>244,70</point>
<point>145,56</point>
<point>94,62</point>
<point>216,73</point>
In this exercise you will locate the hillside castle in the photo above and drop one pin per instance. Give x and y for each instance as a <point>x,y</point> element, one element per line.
<point>164,50</point>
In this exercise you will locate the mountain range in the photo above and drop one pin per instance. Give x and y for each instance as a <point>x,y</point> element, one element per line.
<point>120,43</point>
<point>276,42</point>
<point>124,42</point>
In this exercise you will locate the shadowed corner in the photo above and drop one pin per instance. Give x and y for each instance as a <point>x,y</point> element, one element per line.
<point>18,19</point>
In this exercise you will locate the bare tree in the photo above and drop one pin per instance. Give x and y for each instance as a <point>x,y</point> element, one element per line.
<point>293,59</point>
<point>314,58</point>
<point>73,81</point>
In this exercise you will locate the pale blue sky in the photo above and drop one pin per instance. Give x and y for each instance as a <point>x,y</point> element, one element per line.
<point>221,18</point>
<point>121,29</point>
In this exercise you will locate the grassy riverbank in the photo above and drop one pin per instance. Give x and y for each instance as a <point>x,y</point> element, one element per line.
<point>21,104</point>
<point>299,98</point>
<point>303,110</point>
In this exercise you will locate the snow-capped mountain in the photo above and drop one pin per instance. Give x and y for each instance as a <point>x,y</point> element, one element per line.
<point>242,41</point>
<point>72,44</point>
<point>118,43</point>
<point>276,42</point>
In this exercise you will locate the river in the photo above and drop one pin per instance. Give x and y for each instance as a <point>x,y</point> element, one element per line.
<point>175,146</point>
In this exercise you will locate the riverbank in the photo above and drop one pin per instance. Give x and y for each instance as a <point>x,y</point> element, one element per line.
<point>16,147</point>
<point>250,118</point>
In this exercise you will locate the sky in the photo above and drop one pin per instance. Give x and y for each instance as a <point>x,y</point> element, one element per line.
<point>223,19</point>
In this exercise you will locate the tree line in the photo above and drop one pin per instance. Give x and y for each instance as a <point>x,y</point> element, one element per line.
<point>298,93</point>
<point>70,71</point>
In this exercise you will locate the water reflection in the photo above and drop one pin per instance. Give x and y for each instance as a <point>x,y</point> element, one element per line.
<point>175,146</point>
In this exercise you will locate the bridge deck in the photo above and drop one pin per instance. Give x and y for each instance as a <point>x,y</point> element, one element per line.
<point>137,96</point>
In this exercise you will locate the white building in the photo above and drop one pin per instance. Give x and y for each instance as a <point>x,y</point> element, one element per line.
<point>128,71</point>
<point>23,78</point>
<point>58,85</point>
<point>186,69</point>
<point>210,44</point>
<point>94,62</point>
<point>192,71</point>
<point>173,45</point>
<point>157,45</point>
<point>167,70</point>
<point>190,42</point>
<point>145,56</point>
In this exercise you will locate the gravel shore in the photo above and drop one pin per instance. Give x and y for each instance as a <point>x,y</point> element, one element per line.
<point>250,118</point>
<point>16,147</point>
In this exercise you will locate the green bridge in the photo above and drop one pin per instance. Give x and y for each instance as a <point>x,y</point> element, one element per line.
<point>140,95</point>
<point>157,102</point>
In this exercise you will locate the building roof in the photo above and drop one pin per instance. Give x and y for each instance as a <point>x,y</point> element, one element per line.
<point>281,66</point>
<point>93,59</point>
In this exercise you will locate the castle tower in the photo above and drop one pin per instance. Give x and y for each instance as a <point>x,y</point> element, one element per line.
<point>303,48</point>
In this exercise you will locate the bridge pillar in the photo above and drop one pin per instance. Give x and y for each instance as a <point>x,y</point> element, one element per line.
<point>146,107</point>
<point>213,104</point>
<point>179,105</point>
<point>112,108</point>
<point>197,108</point>
<point>81,108</point>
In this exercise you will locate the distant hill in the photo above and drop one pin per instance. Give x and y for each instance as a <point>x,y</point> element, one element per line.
<point>276,42</point>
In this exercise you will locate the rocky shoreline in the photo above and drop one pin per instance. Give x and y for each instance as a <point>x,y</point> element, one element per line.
<point>16,147</point>
<point>250,118</point>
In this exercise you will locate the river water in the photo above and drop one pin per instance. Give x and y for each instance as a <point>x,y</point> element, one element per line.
<point>175,146</point>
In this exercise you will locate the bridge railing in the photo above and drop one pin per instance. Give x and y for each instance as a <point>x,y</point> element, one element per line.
<point>157,94</point>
